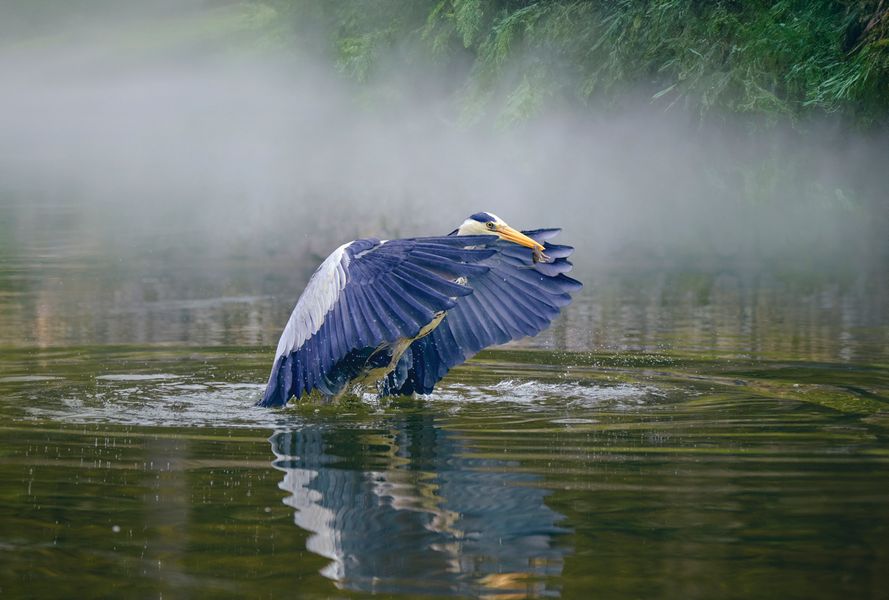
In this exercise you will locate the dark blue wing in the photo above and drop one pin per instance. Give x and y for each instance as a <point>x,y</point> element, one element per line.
<point>515,298</point>
<point>368,293</point>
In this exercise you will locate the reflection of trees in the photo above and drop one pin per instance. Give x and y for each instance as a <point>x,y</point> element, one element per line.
<point>207,302</point>
<point>407,509</point>
<point>755,313</point>
<point>62,285</point>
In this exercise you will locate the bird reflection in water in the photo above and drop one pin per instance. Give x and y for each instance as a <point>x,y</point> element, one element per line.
<point>405,508</point>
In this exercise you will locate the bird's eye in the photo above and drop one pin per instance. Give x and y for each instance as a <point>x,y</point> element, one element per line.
<point>490,225</point>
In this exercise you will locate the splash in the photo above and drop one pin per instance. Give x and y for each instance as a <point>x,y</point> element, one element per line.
<point>161,400</point>
<point>538,393</point>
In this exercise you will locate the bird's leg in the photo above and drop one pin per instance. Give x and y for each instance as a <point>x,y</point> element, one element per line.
<point>436,320</point>
<point>376,351</point>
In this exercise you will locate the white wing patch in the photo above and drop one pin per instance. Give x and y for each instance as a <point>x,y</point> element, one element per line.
<point>316,301</point>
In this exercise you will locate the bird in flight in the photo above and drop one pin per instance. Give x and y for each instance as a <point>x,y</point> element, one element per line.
<point>399,314</point>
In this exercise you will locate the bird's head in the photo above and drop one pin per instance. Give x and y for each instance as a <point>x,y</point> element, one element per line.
<point>488,223</point>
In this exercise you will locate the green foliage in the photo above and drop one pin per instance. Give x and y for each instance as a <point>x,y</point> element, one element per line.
<point>510,58</point>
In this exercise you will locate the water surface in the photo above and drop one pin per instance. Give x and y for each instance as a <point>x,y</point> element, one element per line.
<point>682,431</point>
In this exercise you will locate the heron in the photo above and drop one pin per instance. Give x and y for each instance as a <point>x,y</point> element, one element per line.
<point>397,315</point>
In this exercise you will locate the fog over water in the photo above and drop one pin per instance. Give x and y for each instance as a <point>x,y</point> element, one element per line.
<point>133,156</point>
<point>708,414</point>
<point>240,156</point>
<point>259,149</point>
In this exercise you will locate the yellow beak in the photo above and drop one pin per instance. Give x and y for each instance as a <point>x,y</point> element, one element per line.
<point>517,237</point>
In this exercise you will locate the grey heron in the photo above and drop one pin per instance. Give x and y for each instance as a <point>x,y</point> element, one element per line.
<point>399,314</point>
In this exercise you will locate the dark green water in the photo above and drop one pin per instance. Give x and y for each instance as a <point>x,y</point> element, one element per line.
<point>680,432</point>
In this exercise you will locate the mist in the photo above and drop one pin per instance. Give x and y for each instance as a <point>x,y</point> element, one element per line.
<point>266,154</point>
<point>708,412</point>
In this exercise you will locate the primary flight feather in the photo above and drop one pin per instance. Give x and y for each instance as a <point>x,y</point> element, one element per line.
<point>399,314</point>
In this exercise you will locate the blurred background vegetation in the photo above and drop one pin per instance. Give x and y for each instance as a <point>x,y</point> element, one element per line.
<point>512,59</point>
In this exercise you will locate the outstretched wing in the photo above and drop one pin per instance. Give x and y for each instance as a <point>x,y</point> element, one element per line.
<point>514,298</point>
<point>365,293</point>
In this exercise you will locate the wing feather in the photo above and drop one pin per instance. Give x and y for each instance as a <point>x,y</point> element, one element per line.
<point>513,298</point>
<point>366,293</point>
<point>372,319</point>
